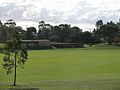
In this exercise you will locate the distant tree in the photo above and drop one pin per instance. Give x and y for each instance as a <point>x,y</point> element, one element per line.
<point>10,23</point>
<point>88,38</point>
<point>55,33</point>
<point>65,33</point>
<point>109,31</point>
<point>76,34</point>
<point>61,33</point>
<point>99,23</point>
<point>21,32</point>
<point>6,30</point>
<point>41,25</point>
<point>45,30</point>
<point>3,33</point>
<point>117,37</point>
<point>96,35</point>
<point>1,23</point>
<point>31,33</point>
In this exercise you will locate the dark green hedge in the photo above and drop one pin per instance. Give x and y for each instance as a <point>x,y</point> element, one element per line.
<point>38,47</point>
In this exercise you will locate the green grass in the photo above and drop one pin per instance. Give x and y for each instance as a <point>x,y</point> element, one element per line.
<point>91,68</point>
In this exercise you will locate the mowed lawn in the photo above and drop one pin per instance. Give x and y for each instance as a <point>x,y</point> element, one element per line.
<point>91,68</point>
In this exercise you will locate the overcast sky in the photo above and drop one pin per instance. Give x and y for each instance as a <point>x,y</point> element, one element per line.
<point>81,13</point>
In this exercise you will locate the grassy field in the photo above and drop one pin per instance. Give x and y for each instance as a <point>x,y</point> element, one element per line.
<point>91,68</point>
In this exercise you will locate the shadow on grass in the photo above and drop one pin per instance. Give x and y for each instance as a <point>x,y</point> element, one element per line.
<point>104,84</point>
<point>22,87</point>
<point>8,86</point>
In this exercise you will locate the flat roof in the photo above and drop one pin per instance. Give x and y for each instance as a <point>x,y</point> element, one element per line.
<point>33,40</point>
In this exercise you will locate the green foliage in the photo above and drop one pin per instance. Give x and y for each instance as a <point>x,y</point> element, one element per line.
<point>108,33</point>
<point>104,33</point>
<point>31,33</point>
<point>15,53</point>
<point>3,33</point>
<point>62,33</point>
<point>12,47</point>
<point>99,23</point>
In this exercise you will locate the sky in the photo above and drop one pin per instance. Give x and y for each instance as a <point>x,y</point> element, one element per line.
<point>81,13</point>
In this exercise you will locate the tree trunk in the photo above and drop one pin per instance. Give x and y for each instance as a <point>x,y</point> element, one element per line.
<point>15,71</point>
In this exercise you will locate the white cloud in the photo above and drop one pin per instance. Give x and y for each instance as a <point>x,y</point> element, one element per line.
<point>83,13</point>
<point>26,24</point>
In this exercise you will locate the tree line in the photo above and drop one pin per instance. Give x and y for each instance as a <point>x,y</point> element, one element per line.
<point>103,33</point>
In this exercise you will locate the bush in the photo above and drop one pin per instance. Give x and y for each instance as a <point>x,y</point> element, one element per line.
<point>38,47</point>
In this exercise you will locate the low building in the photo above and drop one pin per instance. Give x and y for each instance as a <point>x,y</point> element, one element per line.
<point>66,45</point>
<point>46,44</point>
<point>37,44</point>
